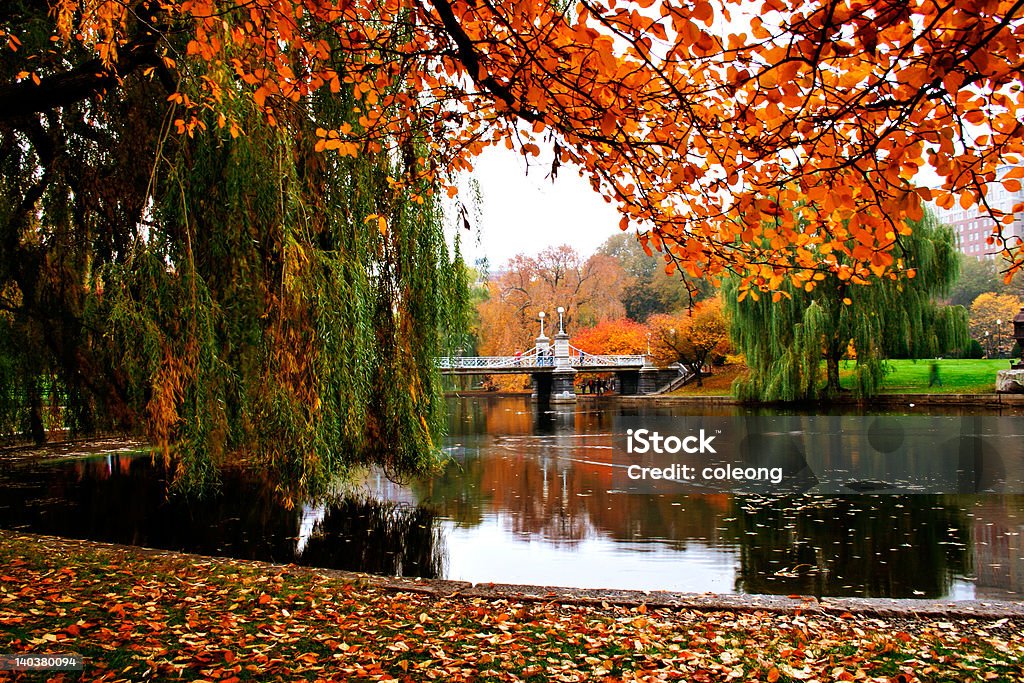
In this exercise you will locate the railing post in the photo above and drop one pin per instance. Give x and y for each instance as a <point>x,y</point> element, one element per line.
<point>562,350</point>
<point>543,347</point>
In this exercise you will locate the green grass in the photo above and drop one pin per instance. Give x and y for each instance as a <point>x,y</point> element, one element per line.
<point>959,376</point>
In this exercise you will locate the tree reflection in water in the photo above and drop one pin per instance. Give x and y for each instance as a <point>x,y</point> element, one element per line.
<point>867,546</point>
<point>123,499</point>
<point>379,537</point>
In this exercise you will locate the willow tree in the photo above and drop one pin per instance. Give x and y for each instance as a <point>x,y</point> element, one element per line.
<point>230,291</point>
<point>786,337</point>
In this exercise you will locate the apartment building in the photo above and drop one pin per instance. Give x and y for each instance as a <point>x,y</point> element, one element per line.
<point>973,226</point>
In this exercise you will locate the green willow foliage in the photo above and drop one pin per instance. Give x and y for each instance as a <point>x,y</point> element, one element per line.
<point>785,342</point>
<point>250,308</point>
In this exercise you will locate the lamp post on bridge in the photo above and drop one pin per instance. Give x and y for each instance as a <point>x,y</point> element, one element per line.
<point>543,344</point>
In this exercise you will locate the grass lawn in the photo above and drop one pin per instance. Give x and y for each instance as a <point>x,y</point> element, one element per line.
<point>136,617</point>
<point>959,376</point>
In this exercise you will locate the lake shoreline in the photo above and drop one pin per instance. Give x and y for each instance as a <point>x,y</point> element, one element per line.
<point>904,608</point>
<point>880,400</point>
<point>131,614</point>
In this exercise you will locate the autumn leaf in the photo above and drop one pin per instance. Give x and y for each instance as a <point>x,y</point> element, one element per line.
<point>177,623</point>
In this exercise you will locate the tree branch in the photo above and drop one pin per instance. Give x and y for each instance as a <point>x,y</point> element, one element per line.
<point>85,81</point>
<point>470,58</point>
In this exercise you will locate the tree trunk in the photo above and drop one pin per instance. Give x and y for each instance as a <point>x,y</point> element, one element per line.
<point>832,374</point>
<point>35,404</point>
<point>696,366</point>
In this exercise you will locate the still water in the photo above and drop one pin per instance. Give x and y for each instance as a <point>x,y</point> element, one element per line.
<point>526,497</point>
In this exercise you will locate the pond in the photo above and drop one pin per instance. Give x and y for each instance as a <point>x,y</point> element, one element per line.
<point>527,497</point>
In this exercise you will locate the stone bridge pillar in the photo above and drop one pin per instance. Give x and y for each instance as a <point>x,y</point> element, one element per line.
<point>638,382</point>
<point>541,387</point>
<point>543,359</point>
<point>628,382</point>
<point>563,378</point>
<point>648,383</point>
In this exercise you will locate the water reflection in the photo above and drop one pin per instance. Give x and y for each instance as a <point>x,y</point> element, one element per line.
<point>528,486</point>
<point>865,545</point>
<point>527,497</point>
<point>125,499</point>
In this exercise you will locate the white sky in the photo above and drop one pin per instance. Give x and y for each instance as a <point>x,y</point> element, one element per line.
<point>524,214</point>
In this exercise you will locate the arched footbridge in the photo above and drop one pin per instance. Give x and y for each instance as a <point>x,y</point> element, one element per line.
<point>554,367</point>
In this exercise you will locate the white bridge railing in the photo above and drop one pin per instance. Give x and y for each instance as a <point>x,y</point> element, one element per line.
<point>582,358</point>
<point>496,362</point>
<point>531,359</point>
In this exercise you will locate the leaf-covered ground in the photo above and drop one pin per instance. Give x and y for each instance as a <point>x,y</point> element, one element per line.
<point>137,616</point>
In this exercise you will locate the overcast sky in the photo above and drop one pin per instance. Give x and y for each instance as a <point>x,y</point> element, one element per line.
<point>525,213</point>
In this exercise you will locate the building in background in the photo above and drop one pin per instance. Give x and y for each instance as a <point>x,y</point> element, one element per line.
<point>973,226</point>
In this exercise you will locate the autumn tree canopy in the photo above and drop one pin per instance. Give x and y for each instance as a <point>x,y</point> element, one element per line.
<point>650,289</point>
<point>611,337</point>
<point>991,317</point>
<point>690,337</point>
<point>587,288</point>
<point>780,141</point>
<point>703,121</point>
